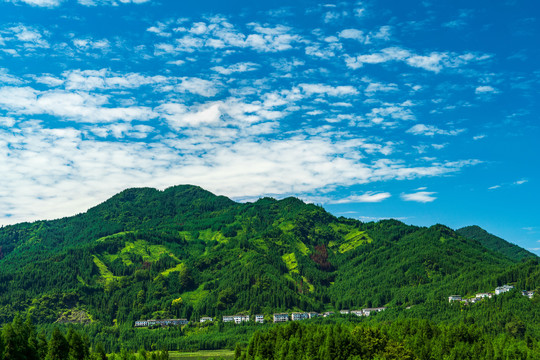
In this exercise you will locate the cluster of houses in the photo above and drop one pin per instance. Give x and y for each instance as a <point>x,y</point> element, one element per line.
<point>499,290</point>
<point>237,319</point>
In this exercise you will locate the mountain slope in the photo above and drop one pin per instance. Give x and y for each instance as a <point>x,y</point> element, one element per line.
<point>184,252</point>
<point>495,243</point>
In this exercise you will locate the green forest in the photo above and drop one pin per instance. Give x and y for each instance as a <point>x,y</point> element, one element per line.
<point>186,253</point>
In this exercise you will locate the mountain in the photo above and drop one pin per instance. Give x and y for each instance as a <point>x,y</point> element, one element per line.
<point>495,243</point>
<point>184,252</point>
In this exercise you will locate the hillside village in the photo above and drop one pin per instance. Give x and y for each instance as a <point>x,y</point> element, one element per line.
<point>277,317</point>
<point>480,296</point>
<point>296,316</point>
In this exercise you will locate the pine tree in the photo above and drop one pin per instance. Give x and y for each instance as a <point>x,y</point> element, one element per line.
<point>99,352</point>
<point>12,350</point>
<point>58,347</point>
<point>42,346</point>
<point>32,344</point>
<point>76,346</point>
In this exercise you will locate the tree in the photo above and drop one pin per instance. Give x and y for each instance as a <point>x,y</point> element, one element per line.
<point>77,349</point>
<point>99,352</point>
<point>58,347</point>
<point>11,349</point>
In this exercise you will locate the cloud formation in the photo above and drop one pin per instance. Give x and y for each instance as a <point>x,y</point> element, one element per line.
<point>420,196</point>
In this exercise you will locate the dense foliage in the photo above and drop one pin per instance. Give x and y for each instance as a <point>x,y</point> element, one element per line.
<point>186,253</point>
<point>495,243</point>
<point>403,340</point>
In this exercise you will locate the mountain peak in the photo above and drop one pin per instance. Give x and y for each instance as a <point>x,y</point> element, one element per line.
<point>495,243</point>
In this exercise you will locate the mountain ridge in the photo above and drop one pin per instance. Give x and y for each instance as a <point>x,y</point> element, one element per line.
<point>134,255</point>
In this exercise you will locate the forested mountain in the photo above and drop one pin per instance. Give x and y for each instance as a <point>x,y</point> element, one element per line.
<point>495,243</point>
<point>185,252</point>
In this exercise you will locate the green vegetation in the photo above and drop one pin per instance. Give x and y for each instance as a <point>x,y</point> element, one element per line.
<point>186,253</point>
<point>401,340</point>
<point>495,243</point>
<point>204,354</point>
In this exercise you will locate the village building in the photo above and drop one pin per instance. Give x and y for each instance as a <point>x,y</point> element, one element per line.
<point>282,317</point>
<point>164,322</point>
<point>299,316</point>
<point>328,313</point>
<point>484,295</point>
<point>529,294</point>
<point>259,319</point>
<point>240,318</point>
<point>313,314</point>
<point>503,289</point>
<point>205,319</point>
<point>454,298</point>
<point>368,311</point>
<point>228,318</point>
<point>357,312</point>
<point>344,312</point>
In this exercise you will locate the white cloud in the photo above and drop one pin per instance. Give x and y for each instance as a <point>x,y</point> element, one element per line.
<point>311,89</point>
<point>220,34</point>
<point>352,34</point>
<point>235,68</point>
<point>85,44</point>
<point>420,196</point>
<point>486,89</point>
<point>369,197</point>
<point>110,2</point>
<point>68,105</point>
<point>6,78</point>
<point>198,86</point>
<point>520,182</point>
<point>478,137</point>
<point>40,3</point>
<point>26,37</point>
<point>430,130</point>
<point>51,173</point>
<point>376,87</point>
<point>434,61</point>
<point>494,187</point>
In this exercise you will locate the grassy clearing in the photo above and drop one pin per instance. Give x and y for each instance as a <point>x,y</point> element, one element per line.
<point>290,261</point>
<point>302,248</point>
<point>353,240</point>
<point>203,354</point>
<point>176,268</point>
<point>286,226</point>
<point>307,284</point>
<point>104,271</point>
<point>195,296</point>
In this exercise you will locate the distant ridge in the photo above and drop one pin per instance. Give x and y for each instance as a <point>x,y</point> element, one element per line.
<point>495,243</point>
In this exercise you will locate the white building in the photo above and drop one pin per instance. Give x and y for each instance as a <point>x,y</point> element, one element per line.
<point>357,312</point>
<point>259,319</point>
<point>228,318</point>
<point>205,319</point>
<point>312,314</point>
<point>282,317</point>
<point>368,311</point>
<point>328,313</point>
<point>344,312</point>
<point>529,294</point>
<point>163,322</point>
<point>240,318</point>
<point>503,289</point>
<point>454,298</point>
<point>484,295</point>
<point>299,316</point>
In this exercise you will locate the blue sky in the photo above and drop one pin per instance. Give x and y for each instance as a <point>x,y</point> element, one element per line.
<point>419,111</point>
